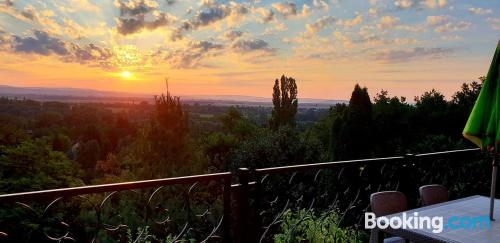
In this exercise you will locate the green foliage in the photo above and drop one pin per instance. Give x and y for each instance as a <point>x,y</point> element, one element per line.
<point>33,165</point>
<point>285,102</point>
<point>306,226</point>
<point>44,145</point>
<point>162,147</point>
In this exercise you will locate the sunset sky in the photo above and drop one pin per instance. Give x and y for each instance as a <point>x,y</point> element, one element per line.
<point>209,47</point>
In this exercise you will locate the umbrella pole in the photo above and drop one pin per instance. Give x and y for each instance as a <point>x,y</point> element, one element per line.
<point>493,186</point>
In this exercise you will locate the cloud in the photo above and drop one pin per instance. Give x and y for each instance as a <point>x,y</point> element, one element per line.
<point>29,13</point>
<point>192,55</point>
<point>285,9</point>
<point>406,55</point>
<point>453,27</point>
<point>91,54</point>
<point>266,14</point>
<point>5,40</point>
<point>444,24</point>
<point>320,4</point>
<point>374,39</point>
<point>251,45</point>
<point>233,34</point>
<point>41,43</point>
<point>83,5</point>
<point>319,24</point>
<point>351,22</point>
<point>277,27</point>
<point>431,4</point>
<point>8,3</point>
<point>388,22</point>
<point>494,23</point>
<point>289,9</point>
<point>344,39</point>
<point>127,26</point>
<point>438,20</point>
<point>434,3</point>
<point>211,14</point>
<point>137,15</point>
<point>480,11</point>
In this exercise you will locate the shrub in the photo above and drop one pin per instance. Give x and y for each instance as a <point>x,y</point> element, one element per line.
<point>306,226</point>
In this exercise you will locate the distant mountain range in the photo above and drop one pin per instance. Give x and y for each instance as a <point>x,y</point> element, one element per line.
<point>90,95</point>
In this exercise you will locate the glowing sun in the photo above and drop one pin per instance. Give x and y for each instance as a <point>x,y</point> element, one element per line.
<point>126,74</point>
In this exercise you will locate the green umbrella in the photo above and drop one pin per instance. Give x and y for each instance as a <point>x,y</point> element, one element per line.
<point>483,126</point>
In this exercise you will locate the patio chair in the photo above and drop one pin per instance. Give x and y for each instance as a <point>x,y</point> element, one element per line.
<point>385,203</point>
<point>432,194</point>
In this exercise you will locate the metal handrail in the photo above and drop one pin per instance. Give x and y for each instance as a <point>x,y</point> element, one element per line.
<point>74,191</point>
<point>239,191</point>
<point>302,167</point>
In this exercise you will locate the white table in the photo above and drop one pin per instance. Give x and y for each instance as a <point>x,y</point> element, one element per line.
<point>471,206</point>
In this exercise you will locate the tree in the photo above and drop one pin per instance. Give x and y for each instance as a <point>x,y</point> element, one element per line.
<point>351,132</point>
<point>390,124</point>
<point>235,129</point>
<point>285,102</point>
<point>162,147</point>
<point>431,114</point>
<point>466,97</point>
<point>32,165</point>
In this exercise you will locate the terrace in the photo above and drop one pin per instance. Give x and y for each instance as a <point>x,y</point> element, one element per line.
<point>243,206</point>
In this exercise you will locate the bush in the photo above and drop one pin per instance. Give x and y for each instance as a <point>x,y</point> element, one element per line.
<point>306,226</point>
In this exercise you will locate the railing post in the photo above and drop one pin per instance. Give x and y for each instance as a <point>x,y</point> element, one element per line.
<point>406,178</point>
<point>257,229</point>
<point>227,210</point>
<point>243,206</point>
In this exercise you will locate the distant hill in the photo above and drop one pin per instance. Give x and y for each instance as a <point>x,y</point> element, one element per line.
<point>90,95</point>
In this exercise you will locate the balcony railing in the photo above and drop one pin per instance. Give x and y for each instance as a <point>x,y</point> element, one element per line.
<point>209,208</point>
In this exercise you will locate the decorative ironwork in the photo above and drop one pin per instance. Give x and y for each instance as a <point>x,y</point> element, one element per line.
<point>208,208</point>
<point>344,188</point>
<point>124,212</point>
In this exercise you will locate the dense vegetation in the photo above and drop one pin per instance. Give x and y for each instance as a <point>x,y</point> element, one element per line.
<point>51,144</point>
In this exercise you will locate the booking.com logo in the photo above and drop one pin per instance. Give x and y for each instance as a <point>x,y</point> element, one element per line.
<point>436,223</point>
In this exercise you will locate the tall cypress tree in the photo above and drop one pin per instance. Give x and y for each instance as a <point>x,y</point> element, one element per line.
<point>285,102</point>
<point>351,132</point>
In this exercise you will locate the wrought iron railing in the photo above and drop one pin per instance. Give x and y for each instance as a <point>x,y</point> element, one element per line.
<point>208,208</point>
<point>101,206</point>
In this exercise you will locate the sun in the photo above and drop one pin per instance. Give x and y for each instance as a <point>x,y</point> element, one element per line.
<point>126,74</point>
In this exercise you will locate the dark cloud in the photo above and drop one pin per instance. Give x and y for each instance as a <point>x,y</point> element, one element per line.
<point>135,7</point>
<point>128,26</point>
<point>41,43</point>
<point>251,45</point>
<point>29,14</point>
<point>267,15</point>
<point>233,34</point>
<point>192,56</point>
<point>286,8</point>
<point>89,53</point>
<point>412,54</point>
<point>208,15</point>
<point>171,2</point>
<point>136,15</point>
<point>7,3</point>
